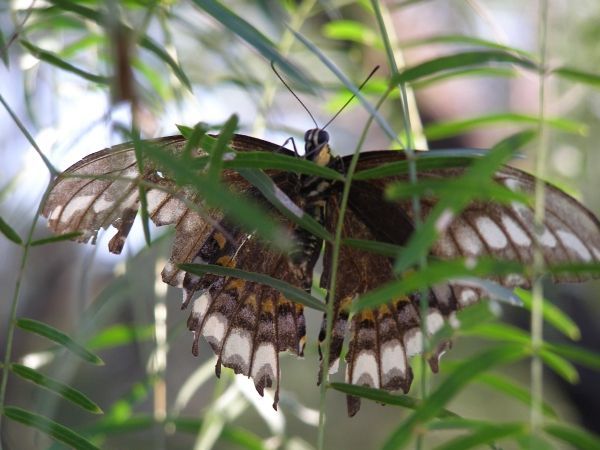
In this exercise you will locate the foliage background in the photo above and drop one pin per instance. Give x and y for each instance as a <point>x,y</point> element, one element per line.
<point>108,302</point>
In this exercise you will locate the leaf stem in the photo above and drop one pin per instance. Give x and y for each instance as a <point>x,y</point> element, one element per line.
<point>536,415</point>
<point>334,266</point>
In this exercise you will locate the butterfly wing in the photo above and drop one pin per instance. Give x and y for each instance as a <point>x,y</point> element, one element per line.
<point>246,324</point>
<point>382,340</point>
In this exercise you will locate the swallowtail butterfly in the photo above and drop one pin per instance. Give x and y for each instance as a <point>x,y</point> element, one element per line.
<point>249,324</point>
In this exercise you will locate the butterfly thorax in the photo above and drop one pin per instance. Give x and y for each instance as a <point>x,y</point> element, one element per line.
<point>313,191</point>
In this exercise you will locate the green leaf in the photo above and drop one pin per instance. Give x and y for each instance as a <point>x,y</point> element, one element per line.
<point>583,269</point>
<point>145,41</point>
<point>229,433</point>
<point>290,292</point>
<point>267,160</point>
<point>443,130</point>
<point>120,334</point>
<point>49,332</point>
<point>10,234</point>
<point>457,423</point>
<point>59,238</point>
<point>458,61</point>
<point>496,72</point>
<point>351,30</point>
<point>49,427</point>
<point>435,272</point>
<point>88,41</point>
<point>484,435</point>
<point>3,50</point>
<point>507,333</point>
<point>508,387</point>
<point>252,36</point>
<point>380,248</point>
<point>499,332</point>
<point>196,138</point>
<point>481,170</point>
<point>215,164</point>
<point>460,39</point>
<point>159,84</point>
<point>593,79</point>
<point>577,354</point>
<point>159,51</point>
<point>580,439</point>
<point>560,366</point>
<point>284,204</point>
<point>429,160</point>
<point>490,191</point>
<point>191,425</point>
<point>457,380</point>
<point>55,60</point>
<point>65,391</point>
<point>552,315</point>
<point>381,396</point>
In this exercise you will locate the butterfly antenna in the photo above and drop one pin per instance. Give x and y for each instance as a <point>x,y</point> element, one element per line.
<point>293,93</point>
<point>352,97</point>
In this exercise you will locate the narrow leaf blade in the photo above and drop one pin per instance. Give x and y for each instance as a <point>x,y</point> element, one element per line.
<point>290,292</point>
<point>49,427</point>
<point>10,234</point>
<point>51,333</point>
<point>73,395</point>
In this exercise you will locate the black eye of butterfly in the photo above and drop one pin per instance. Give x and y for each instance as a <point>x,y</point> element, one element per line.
<point>248,324</point>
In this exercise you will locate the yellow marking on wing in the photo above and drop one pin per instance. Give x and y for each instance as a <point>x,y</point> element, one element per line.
<point>236,284</point>
<point>268,306</point>
<point>221,241</point>
<point>226,261</point>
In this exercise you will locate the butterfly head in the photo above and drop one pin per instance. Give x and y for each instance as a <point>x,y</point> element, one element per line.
<point>316,146</point>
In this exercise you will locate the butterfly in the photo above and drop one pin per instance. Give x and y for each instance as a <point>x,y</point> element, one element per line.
<point>248,324</point>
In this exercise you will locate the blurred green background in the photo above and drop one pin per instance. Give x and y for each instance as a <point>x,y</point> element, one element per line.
<point>74,72</point>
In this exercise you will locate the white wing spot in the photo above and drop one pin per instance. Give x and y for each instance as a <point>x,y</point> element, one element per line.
<point>75,205</point>
<point>55,212</point>
<point>435,321</point>
<point>154,197</point>
<point>201,304</point>
<point>169,212</point>
<point>238,344</point>
<point>101,204</point>
<point>265,358</point>
<point>547,238</point>
<point>335,365</point>
<point>512,184</point>
<point>214,328</point>
<point>514,279</point>
<point>575,244</point>
<point>515,232</point>
<point>365,369</point>
<point>467,297</point>
<point>392,358</point>
<point>492,234</point>
<point>413,342</point>
<point>444,220</point>
<point>468,240</point>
